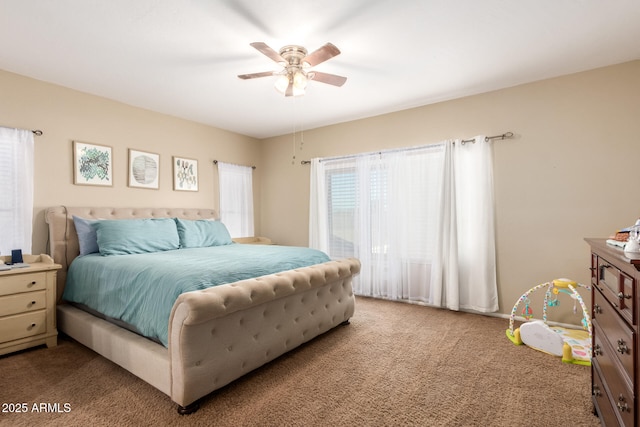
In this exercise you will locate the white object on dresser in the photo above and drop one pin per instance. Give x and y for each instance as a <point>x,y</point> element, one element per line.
<point>28,304</point>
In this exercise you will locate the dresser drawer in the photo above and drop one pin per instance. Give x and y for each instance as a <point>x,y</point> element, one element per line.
<point>22,325</point>
<point>21,303</point>
<point>25,282</point>
<point>617,287</point>
<point>619,335</point>
<point>603,405</point>
<point>613,377</point>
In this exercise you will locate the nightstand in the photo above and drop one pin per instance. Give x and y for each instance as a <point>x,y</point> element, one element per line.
<point>28,304</point>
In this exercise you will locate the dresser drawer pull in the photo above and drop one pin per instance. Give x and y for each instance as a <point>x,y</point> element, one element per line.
<point>596,391</point>
<point>597,309</point>
<point>622,405</point>
<point>597,350</point>
<point>621,296</point>
<point>622,347</point>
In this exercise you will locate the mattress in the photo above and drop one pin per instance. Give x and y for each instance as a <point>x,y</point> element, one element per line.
<point>140,289</point>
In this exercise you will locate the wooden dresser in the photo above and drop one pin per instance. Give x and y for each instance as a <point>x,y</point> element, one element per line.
<point>615,371</point>
<point>28,304</point>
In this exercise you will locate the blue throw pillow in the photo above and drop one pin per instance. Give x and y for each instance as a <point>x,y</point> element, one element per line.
<point>136,236</point>
<point>87,238</point>
<point>202,233</point>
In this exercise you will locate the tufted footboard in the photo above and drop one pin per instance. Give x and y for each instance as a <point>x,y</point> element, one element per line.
<point>219,334</point>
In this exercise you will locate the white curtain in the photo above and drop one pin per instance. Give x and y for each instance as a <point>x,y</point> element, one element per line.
<point>464,267</point>
<point>420,220</point>
<point>236,198</point>
<point>16,189</point>
<point>380,208</point>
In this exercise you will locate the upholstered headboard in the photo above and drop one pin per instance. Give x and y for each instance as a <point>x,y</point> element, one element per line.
<point>63,240</point>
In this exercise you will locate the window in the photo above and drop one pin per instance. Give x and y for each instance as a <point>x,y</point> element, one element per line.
<point>342,202</point>
<point>418,189</point>
<point>420,220</point>
<point>236,198</point>
<point>381,208</point>
<point>16,189</point>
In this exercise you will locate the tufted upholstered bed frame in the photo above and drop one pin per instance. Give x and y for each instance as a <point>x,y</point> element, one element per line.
<point>215,335</point>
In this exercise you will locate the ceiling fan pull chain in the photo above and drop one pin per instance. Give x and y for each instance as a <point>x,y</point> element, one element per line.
<point>301,124</point>
<point>293,142</point>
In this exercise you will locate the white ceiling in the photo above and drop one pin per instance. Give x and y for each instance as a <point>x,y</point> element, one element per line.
<point>181,57</point>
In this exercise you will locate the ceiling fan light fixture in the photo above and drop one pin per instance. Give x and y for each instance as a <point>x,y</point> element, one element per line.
<point>282,82</point>
<point>299,80</point>
<point>291,83</point>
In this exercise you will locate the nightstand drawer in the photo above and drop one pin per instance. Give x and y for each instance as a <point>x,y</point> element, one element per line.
<point>22,325</point>
<point>22,303</point>
<point>25,282</point>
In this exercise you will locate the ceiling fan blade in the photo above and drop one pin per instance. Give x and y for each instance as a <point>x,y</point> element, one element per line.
<point>267,51</point>
<point>255,75</point>
<point>322,54</point>
<point>327,78</point>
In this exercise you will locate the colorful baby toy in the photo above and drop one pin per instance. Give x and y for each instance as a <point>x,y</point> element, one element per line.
<point>573,345</point>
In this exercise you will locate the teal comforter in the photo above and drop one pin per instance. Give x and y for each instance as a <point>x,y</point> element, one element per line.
<point>141,289</point>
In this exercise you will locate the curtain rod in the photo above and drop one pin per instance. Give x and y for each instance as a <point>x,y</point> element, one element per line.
<point>487,138</point>
<point>36,132</point>
<point>215,162</point>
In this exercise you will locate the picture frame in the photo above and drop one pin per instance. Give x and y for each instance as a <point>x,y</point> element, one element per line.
<point>92,164</point>
<point>144,169</point>
<point>185,174</point>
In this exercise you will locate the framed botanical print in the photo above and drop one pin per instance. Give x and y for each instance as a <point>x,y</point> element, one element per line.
<point>144,169</point>
<point>92,164</point>
<point>185,174</point>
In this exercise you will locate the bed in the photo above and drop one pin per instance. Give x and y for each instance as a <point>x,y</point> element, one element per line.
<point>213,335</point>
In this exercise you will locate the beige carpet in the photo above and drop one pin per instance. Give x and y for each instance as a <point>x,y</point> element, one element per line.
<point>395,364</point>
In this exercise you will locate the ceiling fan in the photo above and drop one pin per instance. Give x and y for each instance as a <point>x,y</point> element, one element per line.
<point>292,79</point>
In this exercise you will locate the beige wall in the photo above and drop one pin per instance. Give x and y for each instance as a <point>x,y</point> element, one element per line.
<point>570,172</point>
<point>65,115</point>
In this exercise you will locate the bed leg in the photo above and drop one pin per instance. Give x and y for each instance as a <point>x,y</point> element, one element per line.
<point>189,409</point>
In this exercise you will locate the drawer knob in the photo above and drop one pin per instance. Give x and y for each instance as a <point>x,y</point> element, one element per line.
<point>621,296</point>
<point>622,347</point>
<point>597,309</point>
<point>622,405</point>
<point>597,350</point>
<point>596,391</point>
